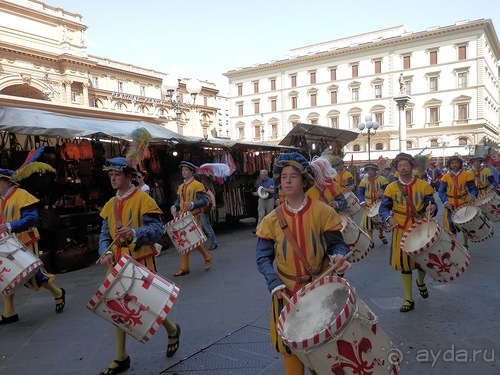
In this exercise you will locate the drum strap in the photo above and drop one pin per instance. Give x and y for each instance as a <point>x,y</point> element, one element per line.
<point>291,240</point>
<point>321,194</point>
<point>408,200</point>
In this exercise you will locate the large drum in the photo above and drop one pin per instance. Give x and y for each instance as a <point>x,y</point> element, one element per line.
<point>490,206</point>
<point>355,238</point>
<point>353,206</point>
<point>438,253</point>
<point>375,217</point>
<point>134,298</point>
<point>470,220</point>
<point>185,233</point>
<point>334,332</point>
<point>17,264</point>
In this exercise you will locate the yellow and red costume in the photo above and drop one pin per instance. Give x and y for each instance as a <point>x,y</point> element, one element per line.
<point>332,192</point>
<point>421,194</point>
<point>193,191</point>
<point>483,179</point>
<point>367,192</point>
<point>454,189</point>
<point>345,180</point>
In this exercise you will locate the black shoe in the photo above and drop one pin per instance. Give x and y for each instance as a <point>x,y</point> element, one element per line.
<point>122,366</point>
<point>10,319</point>
<point>213,246</point>
<point>407,306</point>
<point>422,289</point>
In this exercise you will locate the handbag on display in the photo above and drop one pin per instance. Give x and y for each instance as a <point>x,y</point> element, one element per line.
<point>71,257</point>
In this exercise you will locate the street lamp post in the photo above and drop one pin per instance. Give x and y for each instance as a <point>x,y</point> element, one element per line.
<point>443,140</point>
<point>170,85</point>
<point>369,125</point>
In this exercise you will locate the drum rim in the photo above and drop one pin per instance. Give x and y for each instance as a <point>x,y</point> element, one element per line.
<point>341,321</point>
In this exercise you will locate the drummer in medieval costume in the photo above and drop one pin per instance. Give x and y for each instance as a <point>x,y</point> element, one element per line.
<point>404,203</point>
<point>191,196</point>
<point>370,191</point>
<point>483,177</point>
<point>314,240</point>
<point>456,188</point>
<point>434,174</point>
<point>343,177</point>
<point>131,226</point>
<point>326,189</point>
<point>19,215</point>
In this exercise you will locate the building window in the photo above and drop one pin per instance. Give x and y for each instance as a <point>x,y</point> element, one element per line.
<point>406,62</point>
<point>120,86</point>
<point>463,113</point>
<point>95,82</point>
<point>379,117</point>
<point>313,100</point>
<point>433,83</point>
<point>256,87</point>
<point>256,107</point>
<point>240,89</point>
<point>241,133</point>
<point>409,117</point>
<point>274,131</point>
<point>378,91</point>
<point>333,97</point>
<point>240,109</point>
<point>293,80</point>
<point>294,102</point>
<point>273,105</point>
<point>407,84</point>
<point>462,141</point>
<point>355,121</point>
<point>273,84</point>
<point>355,94</point>
<point>379,146</point>
<point>354,69</point>
<point>433,57</point>
<point>312,78</point>
<point>205,101</point>
<point>73,96</point>
<point>334,122</point>
<point>433,115</point>
<point>119,106</point>
<point>434,142</point>
<point>409,145</point>
<point>462,79</point>
<point>333,74</point>
<point>94,103</point>
<point>462,52</point>
<point>257,132</point>
<point>142,90</point>
<point>356,148</point>
<point>378,66</point>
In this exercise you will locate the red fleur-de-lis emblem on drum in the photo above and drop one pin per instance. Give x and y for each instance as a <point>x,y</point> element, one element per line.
<point>495,209</point>
<point>3,271</point>
<point>180,236</point>
<point>441,264</point>
<point>351,356</point>
<point>121,312</point>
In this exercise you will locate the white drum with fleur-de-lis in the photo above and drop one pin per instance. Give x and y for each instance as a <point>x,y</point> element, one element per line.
<point>471,221</point>
<point>185,233</point>
<point>438,253</point>
<point>332,331</point>
<point>490,206</point>
<point>134,299</point>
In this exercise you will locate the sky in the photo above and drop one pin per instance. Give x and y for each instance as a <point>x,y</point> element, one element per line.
<point>203,39</point>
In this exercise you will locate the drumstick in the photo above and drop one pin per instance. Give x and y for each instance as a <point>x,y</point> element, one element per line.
<point>109,247</point>
<point>285,297</point>
<point>330,269</point>
<point>428,220</point>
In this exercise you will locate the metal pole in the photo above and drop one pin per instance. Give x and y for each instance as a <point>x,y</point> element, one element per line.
<point>369,146</point>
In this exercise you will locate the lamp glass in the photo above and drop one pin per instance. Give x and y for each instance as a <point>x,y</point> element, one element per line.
<point>169,83</point>
<point>193,86</point>
<point>368,118</point>
<point>375,125</point>
<point>361,126</point>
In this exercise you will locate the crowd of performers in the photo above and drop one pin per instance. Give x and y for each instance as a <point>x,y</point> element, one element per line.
<point>296,239</point>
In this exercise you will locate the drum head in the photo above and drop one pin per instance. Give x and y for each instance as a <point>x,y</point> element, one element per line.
<point>317,309</point>
<point>419,236</point>
<point>373,211</point>
<point>464,214</point>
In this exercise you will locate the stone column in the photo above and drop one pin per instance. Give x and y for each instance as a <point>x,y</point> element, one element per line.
<point>401,101</point>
